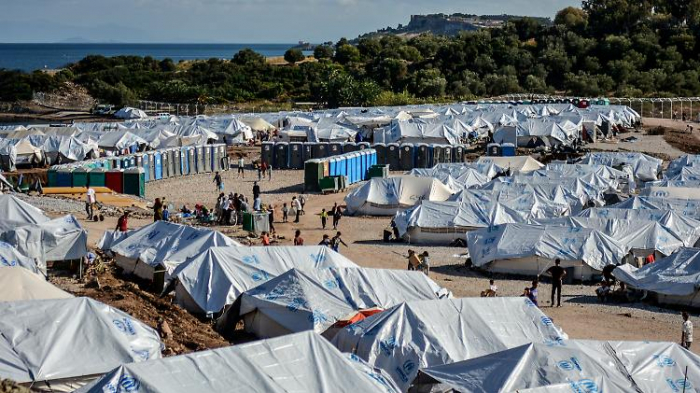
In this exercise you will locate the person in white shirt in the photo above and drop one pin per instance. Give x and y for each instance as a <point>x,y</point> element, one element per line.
<point>225,211</point>
<point>257,204</point>
<point>241,166</point>
<point>687,336</point>
<point>491,292</point>
<point>297,208</point>
<point>90,200</point>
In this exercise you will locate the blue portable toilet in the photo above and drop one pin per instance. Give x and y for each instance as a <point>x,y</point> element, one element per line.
<point>367,162</point>
<point>348,168</point>
<point>508,150</point>
<point>157,166</point>
<point>214,155</point>
<point>373,157</point>
<point>332,167</point>
<point>357,165</point>
<point>342,165</point>
<point>147,164</point>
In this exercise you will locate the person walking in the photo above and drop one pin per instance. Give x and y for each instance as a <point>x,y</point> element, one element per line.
<point>297,208</point>
<point>263,169</point>
<point>90,200</point>
<point>285,212</point>
<point>123,223</point>
<point>271,216</point>
<point>413,260</point>
<point>157,210</point>
<point>256,190</point>
<point>337,215</point>
<point>241,167</point>
<point>336,241</point>
<point>558,273</point>
<point>326,241</point>
<point>324,218</point>
<point>298,240</point>
<point>302,200</point>
<point>260,172</point>
<point>425,263</point>
<point>219,182</point>
<point>687,331</point>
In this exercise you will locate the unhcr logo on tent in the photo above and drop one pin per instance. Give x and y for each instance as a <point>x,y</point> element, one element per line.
<point>405,370</point>
<point>126,383</point>
<point>387,346</point>
<point>251,260</point>
<point>664,361</point>
<point>570,364</point>
<point>678,385</point>
<point>318,258</point>
<point>5,262</point>
<point>317,317</point>
<point>260,275</point>
<point>125,326</point>
<point>584,386</point>
<point>546,321</point>
<point>151,235</point>
<point>296,304</point>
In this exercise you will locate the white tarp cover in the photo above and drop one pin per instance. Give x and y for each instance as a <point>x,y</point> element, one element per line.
<point>59,239</point>
<point>17,284</point>
<point>678,274</point>
<point>576,366</point>
<point>316,299</point>
<point>671,192</point>
<point>303,362</point>
<point>510,241</point>
<point>219,275</point>
<point>111,237</point>
<point>686,228</point>
<point>456,178</point>
<point>416,335</point>
<point>644,167</point>
<point>10,257</point>
<point>515,164</point>
<point>405,131</point>
<point>684,207</point>
<point>15,212</point>
<point>169,244</point>
<point>119,140</point>
<point>386,196</point>
<point>631,234</point>
<point>62,149</point>
<point>676,166</point>
<point>70,338</point>
<point>464,215</point>
<point>129,113</point>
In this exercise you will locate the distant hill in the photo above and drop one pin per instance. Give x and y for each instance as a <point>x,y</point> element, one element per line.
<point>450,25</point>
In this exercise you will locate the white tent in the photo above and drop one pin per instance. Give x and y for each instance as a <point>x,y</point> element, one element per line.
<point>385,197</point>
<point>531,249</point>
<point>61,150</point>
<point>17,284</point>
<point>14,212</point>
<point>416,335</point>
<point>129,113</point>
<point>164,245</point>
<point>323,300</point>
<point>516,164</point>
<point>10,257</point>
<point>216,277</point>
<point>28,154</point>
<point>572,366</point>
<point>671,192</point>
<point>675,279</point>
<point>303,362</point>
<point>455,177</point>
<point>643,167</point>
<point>684,207</point>
<point>60,344</point>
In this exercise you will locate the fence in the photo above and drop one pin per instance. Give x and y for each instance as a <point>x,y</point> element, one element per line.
<point>194,109</point>
<point>660,108</point>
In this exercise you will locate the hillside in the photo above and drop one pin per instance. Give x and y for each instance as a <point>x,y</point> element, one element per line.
<point>450,25</point>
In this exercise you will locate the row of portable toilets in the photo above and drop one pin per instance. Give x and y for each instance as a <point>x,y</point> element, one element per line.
<point>405,156</point>
<point>348,168</point>
<point>129,174</point>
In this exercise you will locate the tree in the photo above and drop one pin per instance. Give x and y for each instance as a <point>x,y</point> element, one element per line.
<point>293,55</point>
<point>347,53</point>
<point>572,18</point>
<point>249,57</point>
<point>322,52</point>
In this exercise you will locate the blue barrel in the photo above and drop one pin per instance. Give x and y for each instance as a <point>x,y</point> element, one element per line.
<point>158,165</point>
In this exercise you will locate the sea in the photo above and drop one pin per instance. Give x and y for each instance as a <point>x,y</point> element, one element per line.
<point>30,57</point>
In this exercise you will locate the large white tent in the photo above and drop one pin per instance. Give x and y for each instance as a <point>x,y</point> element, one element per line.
<point>10,257</point>
<point>387,196</point>
<point>531,249</point>
<point>571,366</point>
<point>17,284</point>
<point>216,277</point>
<point>59,345</point>
<point>324,300</point>
<point>303,362</point>
<point>416,335</point>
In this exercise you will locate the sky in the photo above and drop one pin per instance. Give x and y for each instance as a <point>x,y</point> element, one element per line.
<point>232,21</point>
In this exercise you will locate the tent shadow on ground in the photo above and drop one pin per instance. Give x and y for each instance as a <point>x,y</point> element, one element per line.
<point>293,189</point>
<point>640,306</point>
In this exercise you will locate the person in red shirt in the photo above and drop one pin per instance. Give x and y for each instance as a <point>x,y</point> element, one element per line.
<point>265,239</point>
<point>298,240</point>
<point>123,223</point>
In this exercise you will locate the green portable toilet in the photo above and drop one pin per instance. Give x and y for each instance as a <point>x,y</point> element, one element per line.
<point>313,173</point>
<point>96,177</point>
<point>51,177</point>
<point>135,181</point>
<point>80,177</point>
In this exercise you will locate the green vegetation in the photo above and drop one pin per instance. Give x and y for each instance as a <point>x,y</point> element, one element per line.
<point>607,47</point>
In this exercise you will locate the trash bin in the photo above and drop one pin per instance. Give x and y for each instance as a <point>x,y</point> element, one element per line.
<point>135,182</point>
<point>114,180</point>
<point>256,222</point>
<point>96,177</point>
<point>422,156</point>
<point>393,155</point>
<point>328,184</point>
<point>282,155</point>
<point>407,156</point>
<point>296,155</point>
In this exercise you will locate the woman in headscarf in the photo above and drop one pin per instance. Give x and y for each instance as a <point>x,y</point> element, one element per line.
<point>157,210</point>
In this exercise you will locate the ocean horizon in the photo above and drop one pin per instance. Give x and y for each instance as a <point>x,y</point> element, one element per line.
<point>31,57</point>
